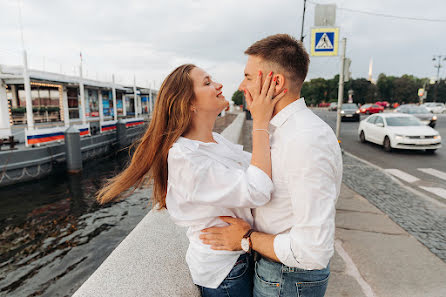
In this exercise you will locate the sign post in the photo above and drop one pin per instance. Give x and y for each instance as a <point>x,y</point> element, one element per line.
<point>340,89</point>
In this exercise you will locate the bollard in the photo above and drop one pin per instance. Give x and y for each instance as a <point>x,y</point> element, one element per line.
<point>73,150</point>
<point>121,134</point>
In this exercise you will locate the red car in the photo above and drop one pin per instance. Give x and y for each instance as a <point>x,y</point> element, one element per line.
<point>384,104</point>
<point>371,108</point>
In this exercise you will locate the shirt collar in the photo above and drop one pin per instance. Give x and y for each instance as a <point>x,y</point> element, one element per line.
<point>193,145</point>
<point>286,112</point>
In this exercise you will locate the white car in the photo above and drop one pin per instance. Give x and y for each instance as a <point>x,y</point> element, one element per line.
<point>435,107</point>
<point>398,130</point>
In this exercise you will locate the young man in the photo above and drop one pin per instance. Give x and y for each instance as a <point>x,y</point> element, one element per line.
<point>294,232</point>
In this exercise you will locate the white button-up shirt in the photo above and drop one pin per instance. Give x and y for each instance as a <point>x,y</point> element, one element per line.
<point>307,176</point>
<point>205,181</point>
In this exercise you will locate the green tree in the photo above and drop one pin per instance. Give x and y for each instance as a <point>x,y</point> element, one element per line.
<point>364,90</point>
<point>405,89</point>
<point>385,87</point>
<point>440,88</point>
<point>237,97</point>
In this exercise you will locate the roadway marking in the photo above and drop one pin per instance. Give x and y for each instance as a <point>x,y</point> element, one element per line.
<point>351,269</point>
<point>437,191</point>
<point>402,175</point>
<point>434,172</point>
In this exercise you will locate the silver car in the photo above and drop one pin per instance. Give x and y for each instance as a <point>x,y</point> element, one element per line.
<point>435,107</point>
<point>421,112</point>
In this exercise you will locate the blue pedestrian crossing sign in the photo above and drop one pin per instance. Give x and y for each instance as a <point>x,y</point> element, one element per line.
<point>324,41</point>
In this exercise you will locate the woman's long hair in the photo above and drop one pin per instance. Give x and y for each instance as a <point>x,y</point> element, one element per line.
<point>171,118</point>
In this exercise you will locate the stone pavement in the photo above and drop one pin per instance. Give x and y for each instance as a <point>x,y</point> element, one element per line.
<point>376,257</point>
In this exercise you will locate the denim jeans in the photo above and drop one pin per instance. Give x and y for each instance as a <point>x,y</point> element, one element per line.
<point>275,279</point>
<point>238,283</point>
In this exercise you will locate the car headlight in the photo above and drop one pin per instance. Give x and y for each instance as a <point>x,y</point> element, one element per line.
<point>437,137</point>
<point>399,137</point>
<point>342,112</point>
<point>358,111</point>
<point>434,118</point>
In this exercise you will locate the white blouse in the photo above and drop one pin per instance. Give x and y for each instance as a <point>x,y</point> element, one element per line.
<point>205,181</point>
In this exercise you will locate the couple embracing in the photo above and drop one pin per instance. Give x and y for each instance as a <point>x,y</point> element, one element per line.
<point>259,224</point>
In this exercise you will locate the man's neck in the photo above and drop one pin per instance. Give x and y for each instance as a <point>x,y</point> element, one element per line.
<point>284,102</point>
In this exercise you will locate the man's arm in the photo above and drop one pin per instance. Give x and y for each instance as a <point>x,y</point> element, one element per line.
<point>264,244</point>
<point>230,237</point>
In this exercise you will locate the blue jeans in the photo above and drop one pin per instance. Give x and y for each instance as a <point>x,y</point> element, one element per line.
<point>275,279</point>
<point>238,283</point>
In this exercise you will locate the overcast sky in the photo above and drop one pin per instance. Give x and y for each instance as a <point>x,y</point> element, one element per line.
<point>149,39</point>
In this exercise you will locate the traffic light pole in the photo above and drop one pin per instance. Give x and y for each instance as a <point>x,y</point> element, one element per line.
<point>341,89</point>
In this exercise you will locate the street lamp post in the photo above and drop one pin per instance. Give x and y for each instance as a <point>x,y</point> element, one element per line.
<point>438,65</point>
<point>303,20</point>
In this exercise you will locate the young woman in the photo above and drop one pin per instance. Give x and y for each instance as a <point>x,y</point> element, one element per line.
<point>198,175</point>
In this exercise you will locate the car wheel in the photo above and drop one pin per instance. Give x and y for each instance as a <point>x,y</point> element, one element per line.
<point>387,146</point>
<point>431,151</point>
<point>362,136</point>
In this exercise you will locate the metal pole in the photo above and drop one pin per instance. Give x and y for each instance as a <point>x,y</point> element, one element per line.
<point>124,107</point>
<point>82,93</point>
<point>101,107</point>
<point>27,84</point>
<point>303,19</point>
<point>341,89</point>
<point>135,96</point>
<point>115,109</point>
<point>438,66</point>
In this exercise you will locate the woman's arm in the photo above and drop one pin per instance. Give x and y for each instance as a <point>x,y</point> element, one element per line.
<point>262,106</point>
<point>197,178</point>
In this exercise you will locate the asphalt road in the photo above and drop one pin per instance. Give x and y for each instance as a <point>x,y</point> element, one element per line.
<point>424,173</point>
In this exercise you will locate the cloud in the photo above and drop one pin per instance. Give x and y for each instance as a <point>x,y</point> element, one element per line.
<point>150,38</point>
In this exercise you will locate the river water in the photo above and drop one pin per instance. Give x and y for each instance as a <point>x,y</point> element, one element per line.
<point>53,234</point>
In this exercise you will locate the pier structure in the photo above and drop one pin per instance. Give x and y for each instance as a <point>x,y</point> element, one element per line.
<point>35,118</point>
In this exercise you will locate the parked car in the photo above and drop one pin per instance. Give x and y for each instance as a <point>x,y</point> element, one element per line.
<point>435,107</point>
<point>350,111</point>
<point>384,104</point>
<point>324,104</point>
<point>371,109</point>
<point>399,131</point>
<point>333,106</point>
<point>421,112</point>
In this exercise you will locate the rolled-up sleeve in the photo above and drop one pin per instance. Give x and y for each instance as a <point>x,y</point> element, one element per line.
<point>313,188</point>
<point>207,181</point>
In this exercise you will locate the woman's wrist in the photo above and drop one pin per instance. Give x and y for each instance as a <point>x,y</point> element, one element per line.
<point>260,125</point>
<point>261,130</point>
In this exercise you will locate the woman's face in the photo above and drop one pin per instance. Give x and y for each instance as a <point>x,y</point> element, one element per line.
<point>208,94</point>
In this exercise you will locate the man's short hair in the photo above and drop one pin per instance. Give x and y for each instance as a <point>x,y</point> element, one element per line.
<point>285,51</point>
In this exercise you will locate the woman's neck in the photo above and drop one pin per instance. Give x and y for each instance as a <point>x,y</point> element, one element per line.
<point>201,129</point>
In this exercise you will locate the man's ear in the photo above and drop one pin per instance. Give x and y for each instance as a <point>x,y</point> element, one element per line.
<point>280,83</point>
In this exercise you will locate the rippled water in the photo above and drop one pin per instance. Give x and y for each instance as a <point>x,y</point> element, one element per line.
<point>53,234</point>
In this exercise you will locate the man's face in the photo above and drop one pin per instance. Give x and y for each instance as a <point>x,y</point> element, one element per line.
<point>252,68</point>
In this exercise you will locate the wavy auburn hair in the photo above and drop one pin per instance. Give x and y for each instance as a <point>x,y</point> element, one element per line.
<point>171,118</point>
